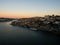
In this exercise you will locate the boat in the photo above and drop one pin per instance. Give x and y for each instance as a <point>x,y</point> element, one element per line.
<point>34,29</point>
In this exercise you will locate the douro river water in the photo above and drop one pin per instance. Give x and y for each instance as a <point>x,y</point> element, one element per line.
<point>13,35</point>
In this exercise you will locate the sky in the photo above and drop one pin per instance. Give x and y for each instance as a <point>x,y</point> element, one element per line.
<point>28,8</point>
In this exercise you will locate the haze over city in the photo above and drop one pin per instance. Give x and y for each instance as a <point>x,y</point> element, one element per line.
<point>28,8</point>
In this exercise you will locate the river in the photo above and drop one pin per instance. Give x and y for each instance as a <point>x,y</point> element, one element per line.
<point>13,35</point>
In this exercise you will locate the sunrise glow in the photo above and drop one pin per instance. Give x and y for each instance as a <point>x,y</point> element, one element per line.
<point>28,8</point>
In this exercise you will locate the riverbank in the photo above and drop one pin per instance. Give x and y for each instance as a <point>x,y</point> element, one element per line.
<point>6,19</point>
<point>47,23</point>
<point>39,27</point>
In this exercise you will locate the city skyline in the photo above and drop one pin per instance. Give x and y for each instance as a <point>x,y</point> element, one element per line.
<point>28,8</point>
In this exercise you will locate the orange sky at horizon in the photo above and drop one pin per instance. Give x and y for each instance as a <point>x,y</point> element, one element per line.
<point>28,8</point>
<point>13,14</point>
<point>21,15</point>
